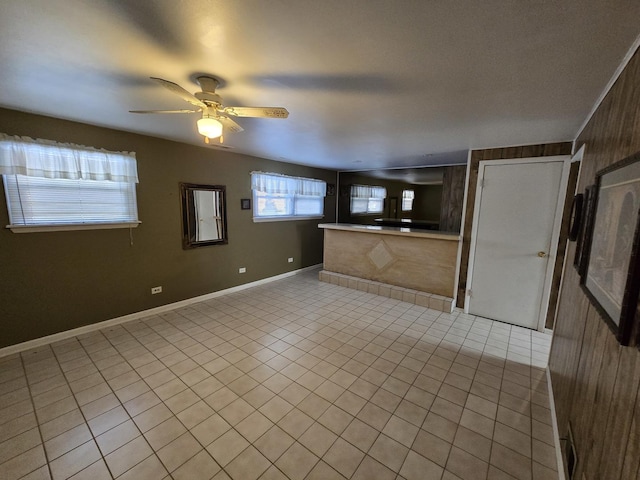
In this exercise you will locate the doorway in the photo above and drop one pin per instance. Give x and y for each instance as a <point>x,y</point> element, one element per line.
<point>393,207</point>
<point>514,238</point>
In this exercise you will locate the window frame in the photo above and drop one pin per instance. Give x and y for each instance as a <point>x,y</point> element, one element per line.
<point>51,186</point>
<point>368,199</point>
<point>413,197</point>
<point>290,197</point>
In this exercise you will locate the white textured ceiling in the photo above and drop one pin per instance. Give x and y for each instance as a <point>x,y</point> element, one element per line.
<point>368,83</point>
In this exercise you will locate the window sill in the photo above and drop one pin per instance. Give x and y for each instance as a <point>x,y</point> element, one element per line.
<point>70,227</point>
<point>284,219</point>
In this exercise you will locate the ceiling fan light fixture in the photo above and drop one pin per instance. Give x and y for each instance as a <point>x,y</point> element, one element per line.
<point>209,127</point>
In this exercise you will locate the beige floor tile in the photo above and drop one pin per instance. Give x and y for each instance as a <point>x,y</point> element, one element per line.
<point>96,471</point>
<point>323,471</point>
<point>249,465</point>
<point>67,441</point>
<point>296,462</point>
<point>236,411</point>
<point>179,451</point>
<point>165,433</point>
<point>314,405</point>
<point>318,439</point>
<point>400,430</point>
<point>227,447</point>
<point>335,419</point>
<point>195,414</point>
<point>374,416</point>
<point>432,447</point>
<point>511,462</point>
<point>275,409</point>
<point>150,468</point>
<point>294,393</point>
<point>417,467</point>
<point>201,465</point>
<point>19,444</point>
<point>210,429</point>
<point>272,473</point>
<point>512,439</point>
<point>473,443</point>
<point>274,443</point>
<point>446,409</point>
<point>258,396</point>
<point>295,423</point>
<point>343,457</point>
<point>22,424</point>
<point>466,466</point>
<point>477,422</point>
<point>152,417</point>
<point>389,452</point>
<point>74,461</point>
<point>127,456</point>
<point>23,464</point>
<point>370,468</point>
<point>440,427</point>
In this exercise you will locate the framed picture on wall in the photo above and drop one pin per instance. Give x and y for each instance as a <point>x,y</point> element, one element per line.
<point>611,276</point>
<point>580,258</point>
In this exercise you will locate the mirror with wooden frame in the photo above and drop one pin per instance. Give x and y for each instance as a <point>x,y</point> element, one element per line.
<point>204,215</point>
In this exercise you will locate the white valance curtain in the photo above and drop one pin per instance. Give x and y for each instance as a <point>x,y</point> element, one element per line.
<point>49,159</point>
<point>274,183</point>
<point>366,191</point>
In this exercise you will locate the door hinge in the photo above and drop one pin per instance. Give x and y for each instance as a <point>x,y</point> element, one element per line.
<point>482,182</point>
<point>470,292</point>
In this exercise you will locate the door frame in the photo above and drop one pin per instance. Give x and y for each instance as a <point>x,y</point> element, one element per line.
<point>555,235</point>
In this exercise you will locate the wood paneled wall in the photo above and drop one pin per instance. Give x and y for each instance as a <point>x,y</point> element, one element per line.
<point>525,151</point>
<point>452,198</point>
<point>596,381</point>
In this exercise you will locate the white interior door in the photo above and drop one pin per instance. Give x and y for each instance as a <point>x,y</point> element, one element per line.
<point>514,238</point>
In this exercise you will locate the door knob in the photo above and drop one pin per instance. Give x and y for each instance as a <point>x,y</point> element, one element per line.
<point>542,254</point>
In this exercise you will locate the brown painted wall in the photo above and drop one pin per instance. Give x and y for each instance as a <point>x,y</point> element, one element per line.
<point>55,281</point>
<point>595,381</point>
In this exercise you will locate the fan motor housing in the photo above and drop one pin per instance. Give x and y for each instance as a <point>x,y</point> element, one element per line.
<point>209,98</point>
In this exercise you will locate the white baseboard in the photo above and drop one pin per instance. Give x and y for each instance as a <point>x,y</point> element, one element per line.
<point>56,337</point>
<point>556,431</point>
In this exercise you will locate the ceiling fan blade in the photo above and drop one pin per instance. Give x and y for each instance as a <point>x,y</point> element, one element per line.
<point>229,125</point>
<point>178,90</point>
<point>164,111</point>
<point>260,112</point>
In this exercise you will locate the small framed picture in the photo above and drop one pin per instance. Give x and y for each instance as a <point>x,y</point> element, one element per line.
<point>245,203</point>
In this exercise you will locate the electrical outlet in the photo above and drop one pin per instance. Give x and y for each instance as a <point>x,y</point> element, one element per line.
<point>290,259</point>
<point>155,290</point>
<point>242,270</point>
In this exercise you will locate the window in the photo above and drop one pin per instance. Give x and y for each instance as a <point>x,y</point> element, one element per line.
<point>53,186</point>
<point>407,200</point>
<point>280,197</point>
<point>367,200</point>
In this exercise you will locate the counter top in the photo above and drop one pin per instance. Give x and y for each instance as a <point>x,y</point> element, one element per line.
<point>398,231</point>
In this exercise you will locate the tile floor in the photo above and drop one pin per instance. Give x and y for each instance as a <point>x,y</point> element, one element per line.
<point>296,379</point>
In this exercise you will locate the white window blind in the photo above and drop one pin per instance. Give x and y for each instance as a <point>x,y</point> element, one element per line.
<point>366,199</point>
<point>281,197</point>
<point>407,200</point>
<point>48,184</point>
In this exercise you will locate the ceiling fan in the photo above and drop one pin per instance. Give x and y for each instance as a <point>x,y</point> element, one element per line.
<point>215,116</point>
